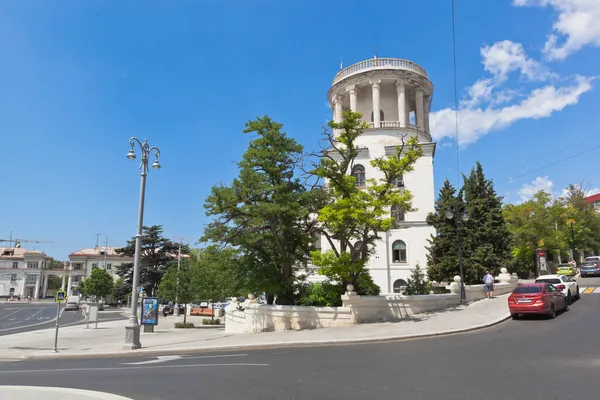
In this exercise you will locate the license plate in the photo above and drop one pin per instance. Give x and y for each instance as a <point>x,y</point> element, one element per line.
<point>524,301</point>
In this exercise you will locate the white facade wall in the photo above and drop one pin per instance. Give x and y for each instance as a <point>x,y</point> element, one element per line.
<point>24,280</point>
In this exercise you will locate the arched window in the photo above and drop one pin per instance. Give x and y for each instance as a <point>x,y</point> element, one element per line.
<point>399,182</point>
<point>399,251</point>
<point>380,116</point>
<point>358,172</point>
<point>399,285</point>
<point>397,213</point>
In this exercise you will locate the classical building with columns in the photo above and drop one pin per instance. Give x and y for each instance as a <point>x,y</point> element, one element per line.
<point>394,96</point>
<point>21,272</point>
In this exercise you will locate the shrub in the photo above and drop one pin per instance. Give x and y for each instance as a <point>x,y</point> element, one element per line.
<point>366,286</point>
<point>211,322</point>
<point>184,325</point>
<point>323,294</point>
<point>417,284</point>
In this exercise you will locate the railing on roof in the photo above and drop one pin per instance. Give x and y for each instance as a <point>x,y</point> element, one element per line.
<point>379,63</point>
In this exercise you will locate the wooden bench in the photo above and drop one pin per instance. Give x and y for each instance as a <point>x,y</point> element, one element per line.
<point>202,312</point>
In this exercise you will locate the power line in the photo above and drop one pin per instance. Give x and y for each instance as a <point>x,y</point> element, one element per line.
<point>455,100</point>
<point>549,165</point>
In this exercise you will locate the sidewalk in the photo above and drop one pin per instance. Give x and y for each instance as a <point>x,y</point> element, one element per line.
<point>109,337</point>
<point>53,393</point>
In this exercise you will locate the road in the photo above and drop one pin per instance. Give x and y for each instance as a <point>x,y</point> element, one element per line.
<point>529,358</point>
<point>23,317</point>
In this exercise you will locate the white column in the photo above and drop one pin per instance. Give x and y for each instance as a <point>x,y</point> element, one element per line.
<point>339,112</point>
<point>426,115</point>
<point>69,287</point>
<point>62,283</point>
<point>353,91</point>
<point>23,284</point>
<point>420,106</point>
<point>376,107</point>
<point>45,291</point>
<point>402,114</point>
<point>36,293</point>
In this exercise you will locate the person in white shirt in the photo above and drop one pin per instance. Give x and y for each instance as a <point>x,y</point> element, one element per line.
<point>488,281</point>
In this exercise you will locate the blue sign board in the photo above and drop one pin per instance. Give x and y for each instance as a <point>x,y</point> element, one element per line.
<point>61,296</point>
<point>150,311</point>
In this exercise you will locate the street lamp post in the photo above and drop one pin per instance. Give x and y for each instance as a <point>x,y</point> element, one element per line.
<point>132,330</point>
<point>459,219</point>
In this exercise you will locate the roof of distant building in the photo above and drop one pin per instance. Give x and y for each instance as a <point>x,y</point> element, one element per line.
<point>593,198</point>
<point>96,251</point>
<point>18,252</point>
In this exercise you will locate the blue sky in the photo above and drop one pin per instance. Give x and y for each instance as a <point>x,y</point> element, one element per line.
<point>78,78</point>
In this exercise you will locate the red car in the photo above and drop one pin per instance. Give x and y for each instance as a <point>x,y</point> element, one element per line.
<point>537,298</point>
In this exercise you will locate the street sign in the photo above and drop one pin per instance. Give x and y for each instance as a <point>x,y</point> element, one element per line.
<point>61,296</point>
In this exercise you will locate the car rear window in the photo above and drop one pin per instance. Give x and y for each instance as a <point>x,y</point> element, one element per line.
<point>528,289</point>
<point>565,266</point>
<point>548,280</point>
<point>588,264</point>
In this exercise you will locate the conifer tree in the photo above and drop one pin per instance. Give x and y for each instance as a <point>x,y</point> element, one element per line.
<point>486,238</point>
<point>417,283</point>
<point>442,257</point>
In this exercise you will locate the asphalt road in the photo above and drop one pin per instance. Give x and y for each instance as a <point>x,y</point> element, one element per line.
<point>24,317</point>
<point>530,358</point>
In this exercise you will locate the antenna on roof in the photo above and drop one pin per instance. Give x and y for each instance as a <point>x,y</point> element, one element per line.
<point>376,51</point>
<point>341,64</point>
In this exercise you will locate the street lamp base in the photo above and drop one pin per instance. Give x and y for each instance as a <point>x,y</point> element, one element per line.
<point>132,336</point>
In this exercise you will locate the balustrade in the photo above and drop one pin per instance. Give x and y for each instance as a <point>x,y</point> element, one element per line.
<point>379,63</point>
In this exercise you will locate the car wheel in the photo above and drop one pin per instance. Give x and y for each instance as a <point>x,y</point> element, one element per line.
<point>568,301</point>
<point>552,314</point>
<point>566,305</point>
<point>514,316</point>
<point>578,295</point>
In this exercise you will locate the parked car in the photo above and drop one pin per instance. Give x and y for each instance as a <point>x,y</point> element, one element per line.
<point>536,298</point>
<point>72,303</point>
<point>566,269</point>
<point>568,286</point>
<point>589,268</point>
<point>592,258</point>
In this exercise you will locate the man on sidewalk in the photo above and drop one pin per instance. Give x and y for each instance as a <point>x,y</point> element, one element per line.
<point>488,281</point>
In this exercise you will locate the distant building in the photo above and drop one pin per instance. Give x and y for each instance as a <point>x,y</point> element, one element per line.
<point>21,272</point>
<point>594,201</point>
<point>83,261</point>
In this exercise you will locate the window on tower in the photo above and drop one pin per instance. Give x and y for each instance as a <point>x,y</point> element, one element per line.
<point>399,181</point>
<point>358,172</point>
<point>397,213</point>
<point>399,251</point>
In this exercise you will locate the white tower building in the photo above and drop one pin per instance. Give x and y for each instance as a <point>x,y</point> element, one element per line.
<point>394,97</point>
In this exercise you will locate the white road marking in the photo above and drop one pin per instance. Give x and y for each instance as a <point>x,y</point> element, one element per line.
<point>27,391</point>
<point>24,371</point>
<point>12,313</point>
<point>161,359</point>
<point>581,289</point>
<point>39,311</point>
<point>596,291</point>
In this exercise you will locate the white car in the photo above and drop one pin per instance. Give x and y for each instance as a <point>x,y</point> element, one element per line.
<point>568,286</point>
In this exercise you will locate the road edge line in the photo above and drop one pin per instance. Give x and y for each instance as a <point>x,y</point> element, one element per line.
<point>317,343</point>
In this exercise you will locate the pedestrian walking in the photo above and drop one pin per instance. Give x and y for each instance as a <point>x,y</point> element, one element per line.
<point>488,281</point>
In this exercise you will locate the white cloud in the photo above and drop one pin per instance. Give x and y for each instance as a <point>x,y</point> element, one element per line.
<point>528,190</point>
<point>575,27</point>
<point>505,57</point>
<point>480,115</point>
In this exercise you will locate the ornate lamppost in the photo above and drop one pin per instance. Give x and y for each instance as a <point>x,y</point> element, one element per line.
<point>132,330</point>
<point>459,219</point>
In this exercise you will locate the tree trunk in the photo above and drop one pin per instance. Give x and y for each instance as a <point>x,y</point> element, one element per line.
<point>184,318</point>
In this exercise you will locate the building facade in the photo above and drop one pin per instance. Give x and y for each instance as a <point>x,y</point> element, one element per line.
<point>83,261</point>
<point>21,273</point>
<point>394,96</point>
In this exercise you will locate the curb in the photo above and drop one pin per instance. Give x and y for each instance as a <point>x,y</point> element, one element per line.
<point>314,343</point>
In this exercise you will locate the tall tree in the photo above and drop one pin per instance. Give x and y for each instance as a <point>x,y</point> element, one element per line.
<point>265,212</point>
<point>157,253</point>
<point>358,209</point>
<point>487,241</point>
<point>442,256</point>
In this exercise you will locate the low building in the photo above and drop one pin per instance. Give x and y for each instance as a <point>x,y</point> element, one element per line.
<point>83,261</point>
<point>21,272</point>
<point>594,201</point>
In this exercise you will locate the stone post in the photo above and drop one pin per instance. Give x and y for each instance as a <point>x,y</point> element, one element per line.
<point>402,114</point>
<point>376,106</point>
<point>353,91</point>
<point>420,117</point>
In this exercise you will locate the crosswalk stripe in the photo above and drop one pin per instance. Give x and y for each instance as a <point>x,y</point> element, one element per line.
<point>581,289</point>
<point>589,290</point>
<point>597,290</point>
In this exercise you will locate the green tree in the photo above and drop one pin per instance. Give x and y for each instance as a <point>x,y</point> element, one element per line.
<point>156,256</point>
<point>265,212</point>
<point>82,289</point>
<point>534,224</point>
<point>417,284</point>
<point>442,256</point>
<point>122,291</point>
<point>100,283</point>
<point>486,240</point>
<point>357,211</point>
<point>52,263</point>
<point>180,284</point>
